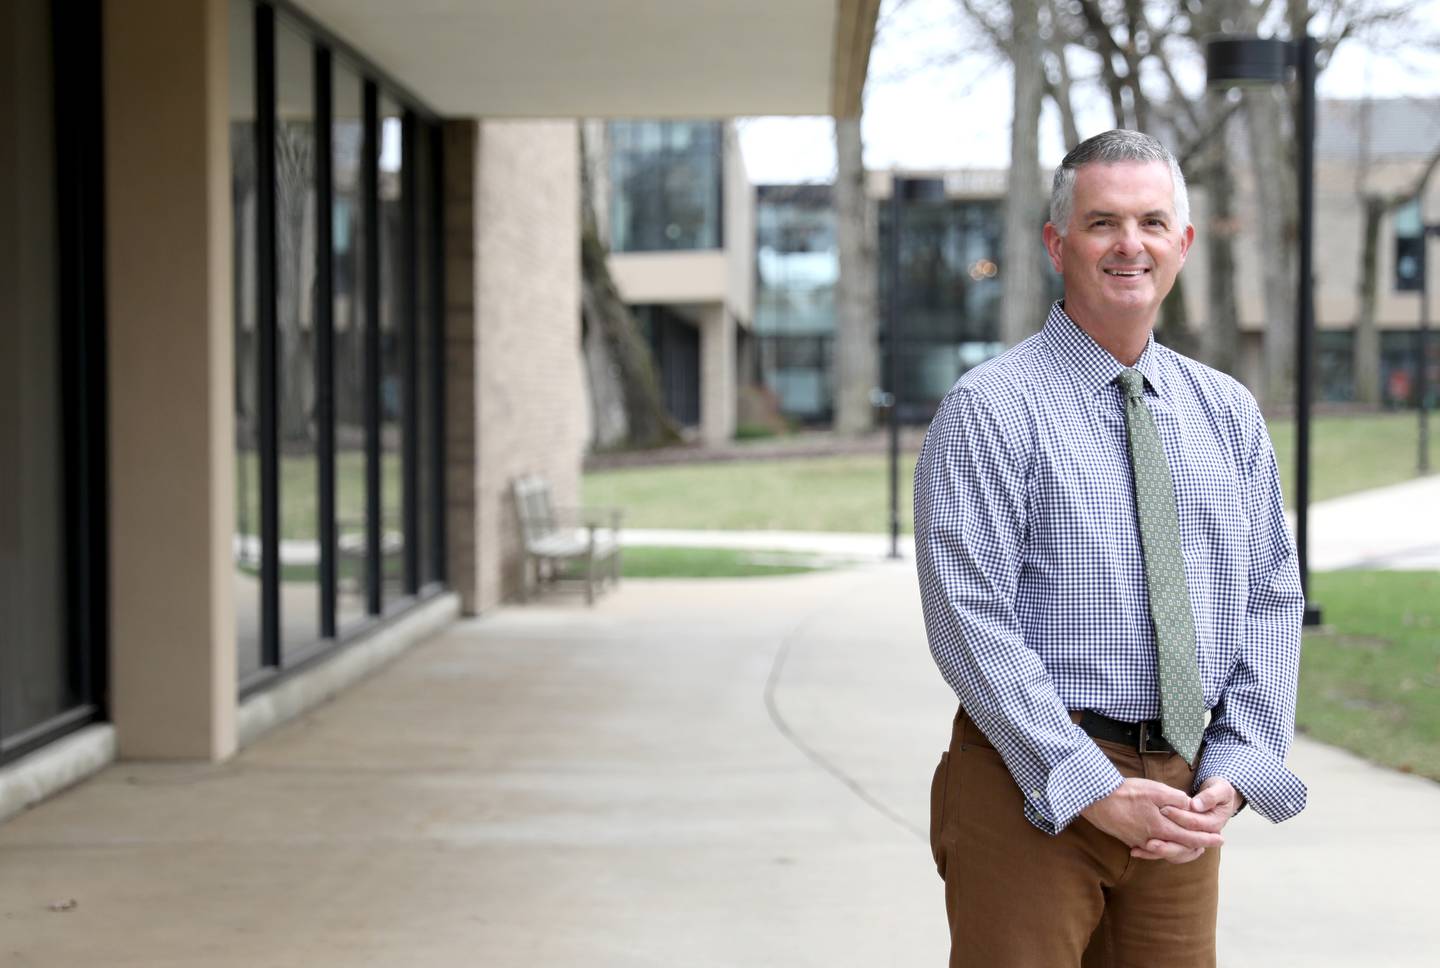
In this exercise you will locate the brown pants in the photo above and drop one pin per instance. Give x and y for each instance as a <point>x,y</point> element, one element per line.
<point>1019,898</point>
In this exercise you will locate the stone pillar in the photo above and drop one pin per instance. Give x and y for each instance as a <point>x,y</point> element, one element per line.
<point>515,384</point>
<point>717,376</point>
<point>172,439</point>
<point>531,400</point>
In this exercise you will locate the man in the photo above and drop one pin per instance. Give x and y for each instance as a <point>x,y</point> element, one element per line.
<point>1110,589</point>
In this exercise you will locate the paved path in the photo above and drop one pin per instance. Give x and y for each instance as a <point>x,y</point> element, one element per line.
<point>707,774</point>
<point>1394,527</point>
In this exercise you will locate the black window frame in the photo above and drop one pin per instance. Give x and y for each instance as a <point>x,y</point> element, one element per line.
<point>418,121</point>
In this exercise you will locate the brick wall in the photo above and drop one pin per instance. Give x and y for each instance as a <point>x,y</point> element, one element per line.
<point>518,369</point>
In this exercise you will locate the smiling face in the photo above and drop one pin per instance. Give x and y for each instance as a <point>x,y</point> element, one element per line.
<point>1122,249</point>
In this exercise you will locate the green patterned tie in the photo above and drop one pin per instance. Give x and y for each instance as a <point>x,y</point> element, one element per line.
<point>1182,701</point>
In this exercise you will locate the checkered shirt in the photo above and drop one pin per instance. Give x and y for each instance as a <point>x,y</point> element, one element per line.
<point>1033,584</point>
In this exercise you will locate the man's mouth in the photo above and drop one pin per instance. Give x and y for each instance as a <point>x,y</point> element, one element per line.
<point>1126,273</point>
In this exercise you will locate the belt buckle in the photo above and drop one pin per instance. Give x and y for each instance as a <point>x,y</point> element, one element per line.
<point>1145,737</point>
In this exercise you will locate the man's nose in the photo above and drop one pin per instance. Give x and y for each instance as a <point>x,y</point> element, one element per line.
<point>1128,243</point>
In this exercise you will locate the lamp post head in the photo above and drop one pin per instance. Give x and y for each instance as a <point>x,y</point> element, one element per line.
<point>1247,61</point>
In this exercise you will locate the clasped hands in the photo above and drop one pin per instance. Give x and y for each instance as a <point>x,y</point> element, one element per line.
<point>1159,822</point>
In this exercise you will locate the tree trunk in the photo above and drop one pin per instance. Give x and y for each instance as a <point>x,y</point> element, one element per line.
<point>857,311</point>
<point>617,337</point>
<point>1366,359</point>
<point>1061,89</point>
<point>1223,323</point>
<point>1275,205</point>
<point>1021,309</point>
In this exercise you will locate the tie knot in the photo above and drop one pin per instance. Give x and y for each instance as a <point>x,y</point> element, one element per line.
<point>1132,381</point>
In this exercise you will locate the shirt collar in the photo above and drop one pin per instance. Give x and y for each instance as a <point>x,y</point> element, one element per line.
<point>1091,365</point>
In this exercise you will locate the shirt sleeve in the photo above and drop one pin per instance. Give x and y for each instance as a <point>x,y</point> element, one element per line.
<point>970,532</point>
<point>1253,725</point>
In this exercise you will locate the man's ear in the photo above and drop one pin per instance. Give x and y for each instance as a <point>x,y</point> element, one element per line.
<point>1053,242</point>
<point>1186,237</point>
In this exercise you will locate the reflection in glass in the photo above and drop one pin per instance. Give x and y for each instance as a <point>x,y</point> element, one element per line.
<point>348,233</point>
<point>37,670</point>
<point>665,179</point>
<point>798,264</point>
<point>950,267</point>
<point>244,249</point>
<point>295,339</point>
<point>393,326</point>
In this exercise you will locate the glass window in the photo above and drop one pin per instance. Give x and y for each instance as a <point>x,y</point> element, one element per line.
<point>665,179</point>
<point>295,334</point>
<point>394,326</point>
<point>797,260</point>
<point>36,668</point>
<point>245,255</point>
<point>348,240</point>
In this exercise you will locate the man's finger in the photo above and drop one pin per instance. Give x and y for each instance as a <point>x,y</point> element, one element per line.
<point>1207,799</point>
<point>1162,795</point>
<point>1167,851</point>
<point>1189,839</point>
<point>1190,820</point>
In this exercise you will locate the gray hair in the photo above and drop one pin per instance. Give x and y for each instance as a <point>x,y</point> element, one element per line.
<point>1110,148</point>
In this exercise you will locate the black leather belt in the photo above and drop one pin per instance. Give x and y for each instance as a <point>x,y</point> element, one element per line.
<point>1143,737</point>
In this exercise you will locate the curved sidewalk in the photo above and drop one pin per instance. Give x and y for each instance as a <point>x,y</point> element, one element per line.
<point>708,774</point>
<point>1395,527</point>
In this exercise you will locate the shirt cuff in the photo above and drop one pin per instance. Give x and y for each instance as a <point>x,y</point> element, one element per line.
<point>1080,779</point>
<point>1261,778</point>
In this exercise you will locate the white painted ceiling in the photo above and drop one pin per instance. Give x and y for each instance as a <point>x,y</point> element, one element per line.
<point>597,58</point>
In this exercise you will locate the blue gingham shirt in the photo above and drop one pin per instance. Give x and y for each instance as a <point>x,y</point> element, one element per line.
<point>1033,585</point>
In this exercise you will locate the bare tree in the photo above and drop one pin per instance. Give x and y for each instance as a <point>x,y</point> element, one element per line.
<point>1376,206</point>
<point>857,365</point>
<point>1021,309</point>
<point>618,361</point>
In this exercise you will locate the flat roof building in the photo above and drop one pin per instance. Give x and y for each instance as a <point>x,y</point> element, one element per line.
<point>293,298</point>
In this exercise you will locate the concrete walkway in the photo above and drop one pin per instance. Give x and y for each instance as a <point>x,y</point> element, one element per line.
<point>1395,527</point>
<point>696,774</point>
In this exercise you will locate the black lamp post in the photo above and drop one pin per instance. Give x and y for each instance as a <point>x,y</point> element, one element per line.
<point>892,337</point>
<point>1251,61</point>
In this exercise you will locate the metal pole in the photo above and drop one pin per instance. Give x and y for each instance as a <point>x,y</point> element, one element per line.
<point>1422,376</point>
<point>1305,337</point>
<point>893,338</point>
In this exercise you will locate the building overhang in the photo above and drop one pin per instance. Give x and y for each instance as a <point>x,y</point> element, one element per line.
<point>621,58</point>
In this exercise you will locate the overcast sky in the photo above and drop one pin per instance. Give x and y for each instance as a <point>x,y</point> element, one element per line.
<point>956,113</point>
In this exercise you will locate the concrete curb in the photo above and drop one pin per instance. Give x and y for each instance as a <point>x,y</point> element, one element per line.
<point>55,767</point>
<point>305,690</point>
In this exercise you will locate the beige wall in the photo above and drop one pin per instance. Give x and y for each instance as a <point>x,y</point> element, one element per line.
<point>739,232</point>
<point>513,339</point>
<point>717,375</point>
<point>693,276</point>
<point>167,190</point>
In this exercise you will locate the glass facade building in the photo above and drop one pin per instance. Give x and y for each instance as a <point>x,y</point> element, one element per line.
<point>337,343</point>
<point>666,182</point>
<point>797,263</point>
<point>949,296</point>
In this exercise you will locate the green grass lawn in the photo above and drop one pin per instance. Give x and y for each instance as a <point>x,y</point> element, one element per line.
<point>1370,678</point>
<point>1349,453</point>
<point>648,562</point>
<point>800,494</point>
<point>1353,453</point>
<point>299,494</point>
